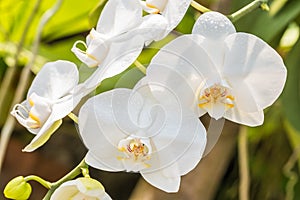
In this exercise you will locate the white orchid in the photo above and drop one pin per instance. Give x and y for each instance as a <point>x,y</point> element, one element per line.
<point>172,10</point>
<point>132,130</point>
<point>50,98</point>
<point>216,70</point>
<point>118,39</point>
<point>81,188</point>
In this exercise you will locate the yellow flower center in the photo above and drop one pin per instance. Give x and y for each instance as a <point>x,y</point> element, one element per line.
<point>135,149</point>
<point>216,94</point>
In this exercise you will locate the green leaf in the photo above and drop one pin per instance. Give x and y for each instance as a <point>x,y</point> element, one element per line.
<point>291,93</point>
<point>72,18</point>
<point>294,138</point>
<point>265,26</point>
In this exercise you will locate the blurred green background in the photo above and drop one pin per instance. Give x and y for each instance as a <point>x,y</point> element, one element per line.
<point>274,147</point>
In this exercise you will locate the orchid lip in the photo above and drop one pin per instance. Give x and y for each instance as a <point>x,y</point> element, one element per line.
<point>214,94</point>
<point>35,115</point>
<point>136,150</point>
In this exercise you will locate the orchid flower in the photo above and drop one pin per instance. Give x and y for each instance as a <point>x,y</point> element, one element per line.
<point>118,39</point>
<point>131,130</point>
<point>81,188</point>
<point>216,70</point>
<point>49,99</point>
<point>172,10</point>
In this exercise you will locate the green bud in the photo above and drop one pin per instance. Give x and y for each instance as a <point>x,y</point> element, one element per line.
<point>18,189</point>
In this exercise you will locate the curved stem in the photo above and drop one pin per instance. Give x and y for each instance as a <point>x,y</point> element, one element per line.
<point>71,175</point>
<point>140,66</point>
<point>73,117</point>
<point>38,179</point>
<point>249,8</point>
<point>199,7</point>
<point>243,164</point>
<point>85,172</point>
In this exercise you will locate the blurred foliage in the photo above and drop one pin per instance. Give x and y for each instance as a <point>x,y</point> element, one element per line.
<point>270,144</point>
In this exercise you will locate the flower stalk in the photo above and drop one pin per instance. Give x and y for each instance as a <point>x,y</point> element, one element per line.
<point>263,4</point>
<point>71,175</point>
<point>43,182</point>
<point>73,117</point>
<point>140,66</point>
<point>199,7</point>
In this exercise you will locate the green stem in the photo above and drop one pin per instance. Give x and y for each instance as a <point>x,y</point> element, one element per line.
<point>73,117</point>
<point>70,176</point>
<point>44,183</point>
<point>85,172</point>
<point>199,7</point>
<point>140,66</point>
<point>249,8</point>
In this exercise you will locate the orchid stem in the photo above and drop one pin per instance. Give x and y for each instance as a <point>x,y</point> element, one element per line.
<point>140,66</point>
<point>85,172</point>
<point>199,7</point>
<point>44,183</point>
<point>263,4</point>
<point>243,164</point>
<point>73,117</point>
<point>71,175</point>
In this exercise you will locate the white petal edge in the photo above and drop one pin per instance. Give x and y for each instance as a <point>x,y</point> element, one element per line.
<point>185,56</point>
<point>214,26</point>
<point>55,80</point>
<point>162,182</point>
<point>260,66</point>
<point>174,12</point>
<point>119,16</point>
<point>122,53</point>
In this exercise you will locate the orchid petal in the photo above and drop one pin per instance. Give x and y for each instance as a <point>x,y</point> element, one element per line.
<point>152,28</point>
<point>107,164</point>
<point>59,111</point>
<point>55,80</point>
<point>96,49</point>
<point>260,67</point>
<point>175,143</point>
<point>80,188</point>
<point>187,58</point>
<point>119,16</point>
<point>41,139</point>
<point>120,56</point>
<point>216,110</point>
<point>161,180</point>
<point>96,120</point>
<point>213,26</point>
<point>174,12</point>
<point>249,119</point>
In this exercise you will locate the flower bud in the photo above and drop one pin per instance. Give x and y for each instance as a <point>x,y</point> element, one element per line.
<point>18,189</point>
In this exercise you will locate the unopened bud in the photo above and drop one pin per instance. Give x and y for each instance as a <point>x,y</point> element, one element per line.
<point>18,189</point>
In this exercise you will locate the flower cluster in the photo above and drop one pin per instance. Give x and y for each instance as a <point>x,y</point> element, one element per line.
<point>154,128</point>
